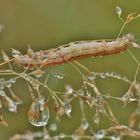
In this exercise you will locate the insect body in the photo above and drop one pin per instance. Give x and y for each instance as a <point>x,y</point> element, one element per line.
<point>73,51</point>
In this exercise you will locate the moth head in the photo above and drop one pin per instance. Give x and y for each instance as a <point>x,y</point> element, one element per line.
<point>135,45</point>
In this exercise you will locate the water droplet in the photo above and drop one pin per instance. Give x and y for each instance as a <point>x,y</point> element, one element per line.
<point>96,117</point>
<point>56,138</point>
<point>125,79</point>
<point>35,84</point>
<point>59,75</point>
<point>102,75</point>
<point>92,76</point>
<point>15,53</point>
<point>69,89</point>
<point>53,127</point>
<point>45,134</point>
<point>81,93</point>
<point>26,77</point>
<point>107,96</point>
<point>68,108</point>
<point>108,73</point>
<point>115,137</point>
<point>62,135</point>
<point>41,99</point>
<point>118,10</point>
<point>74,137</point>
<point>113,74</point>
<point>38,113</point>
<point>2,93</point>
<point>13,80</point>
<point>84,124</point>
<point>8,83</point>
<point>100,134</point>
<point>12,106</point>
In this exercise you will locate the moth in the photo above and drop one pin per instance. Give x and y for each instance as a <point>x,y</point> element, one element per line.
<point>73,51</point>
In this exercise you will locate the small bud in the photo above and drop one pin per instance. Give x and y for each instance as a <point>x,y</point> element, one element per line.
<point>118,10</point>
<point>5,57</point>
<point>130,17</point>
<point>30,53</point>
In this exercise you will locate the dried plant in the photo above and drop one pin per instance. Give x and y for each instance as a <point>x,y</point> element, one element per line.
<point>32,70</point>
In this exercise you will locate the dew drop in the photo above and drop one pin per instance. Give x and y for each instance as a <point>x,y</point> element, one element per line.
<point>125,79</point>
<point>113,74</point>
<point>118,10</point>
<point>84,124</point>
<point>115,138</point>
<point>8,83</point>
<point>107,96</point>
<point>56,137</point>
<point>68,108</point>
<point>46,134</point>
<point>100,134</point>
<point>92,76</point>
<point>15,53</point>
<point>2,93</point>
<point>53,127</point>
<point>74,137</point>
<point>12,106</point>
<point>62,136</point>
<point>41,99</point>
<point>35,84</point>
<point>108,73</point>
<point>59,75</point>
<point>102,75</point>
<point>38,113</point>
<point>69,89</point>
<point>13,80</point>
<point>96,117</point>
<point>81,92</point>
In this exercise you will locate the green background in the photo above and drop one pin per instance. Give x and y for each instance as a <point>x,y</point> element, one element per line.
<point>47,24</point>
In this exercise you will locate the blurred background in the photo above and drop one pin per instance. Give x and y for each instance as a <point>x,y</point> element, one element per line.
<point>46,24</point>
